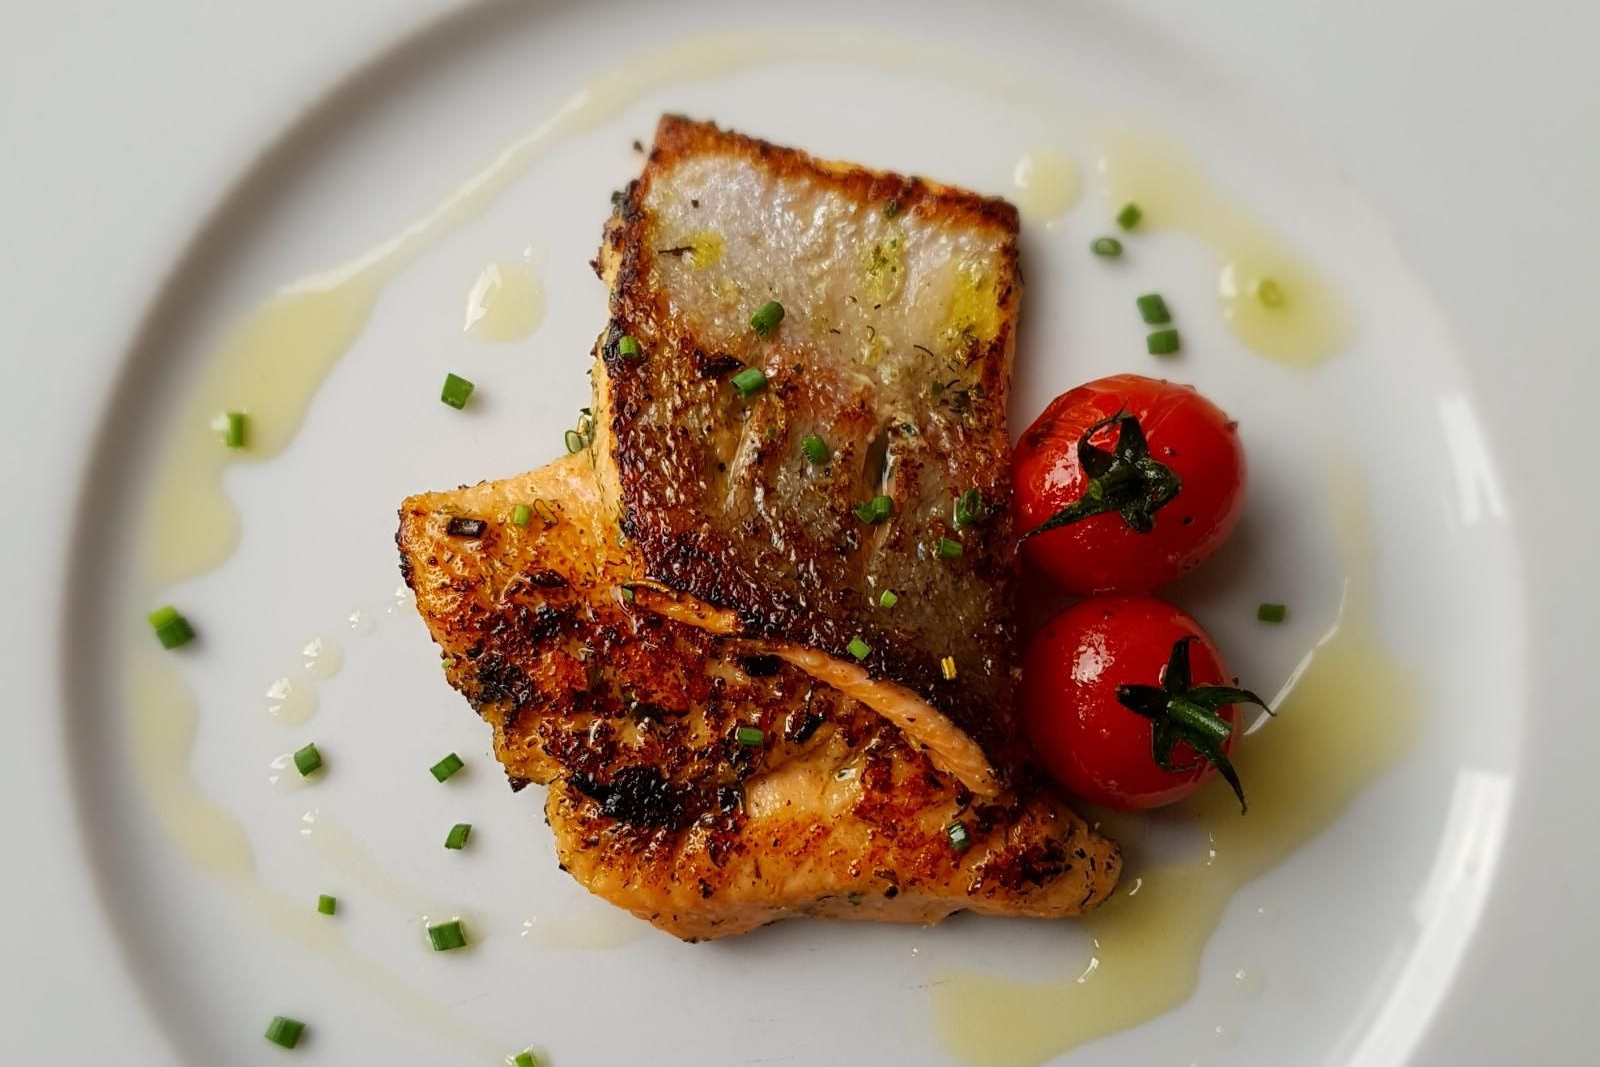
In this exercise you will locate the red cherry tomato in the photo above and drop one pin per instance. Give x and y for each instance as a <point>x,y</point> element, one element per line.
<point>1082,671</point>
<point>1160,506</point>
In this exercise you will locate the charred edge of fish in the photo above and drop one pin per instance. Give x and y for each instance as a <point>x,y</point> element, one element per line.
<point>637,795</point>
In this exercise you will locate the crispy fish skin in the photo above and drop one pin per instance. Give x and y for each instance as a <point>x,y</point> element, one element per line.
<point>900,299</point>
<point>632,719</point>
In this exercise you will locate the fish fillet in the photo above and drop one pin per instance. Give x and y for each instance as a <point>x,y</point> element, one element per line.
<point>633,721</point>
<point>900,299</point>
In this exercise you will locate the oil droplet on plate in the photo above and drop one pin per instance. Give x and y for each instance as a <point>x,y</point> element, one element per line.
<point>284,775</point>
<point>1047,184</point>
<point>361,622</point>
<point>356,867</point>
<point>403,598</point>
<point>587,928</point>
<point>1248,982</point>
<point>291,702</point>
<point>1348,712</point>
<point>1272,300</point>
<point>506,303</point>
<point>324,658</point>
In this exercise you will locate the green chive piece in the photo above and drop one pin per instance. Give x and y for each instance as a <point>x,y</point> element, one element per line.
<point>525,1058</point>
<point>766,318</point>
<point>628,347</point>
<point>969,507</point>
<point>446,767</point>
<point>327,905</point>
<point>456,391</point>
<point>749,382</point>
<point>307,761</point>
<point>1272,612</point>
<point>457,837</point>
<point>887,599</point>
<point>858,648</point>
<point>750,737</point>
<point>574,442</point>
<point>1153,310</point>
<point>1109,247</point>
<point>1269,293</point>
<point>627,593</point>
<point>815,448</point>
<point>875,510</point>
<point>1129,216</point>
<point>234,436</point>
<point>521,515</point>
<point>960,839</point>
<point>1162,343</point>
<point>447,936</point>
<point>172,629</point>
<point>949,549</point>
<point>285,1032</point>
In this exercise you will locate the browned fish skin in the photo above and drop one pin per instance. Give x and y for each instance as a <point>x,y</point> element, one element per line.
<point>632,719</point>
<point>900,297</point>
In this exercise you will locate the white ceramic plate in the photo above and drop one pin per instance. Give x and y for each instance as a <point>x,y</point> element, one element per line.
<point>161,198</point>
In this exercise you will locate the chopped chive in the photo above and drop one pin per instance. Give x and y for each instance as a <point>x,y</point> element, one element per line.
<point>1162,343</point>
<point>1109,247</point>
<point>858,648</point>
<point>446,767</point>
<point>447,936</point>
<point>285,1032</point>
<point>1269,293</point>
<point>234,435</point>
<point>1129,216</point>
<point>766,318</point>
<point>521,515</point>
<point>574,442</point>
<point>464,527</point>
<point>875,510</point>
<point>888,599</point>
<point>525,1059</point>
<point>1153,310</point>
<point>456,391</point>
<point>969,507</point>
<point>960,839</point>
<point>949,549</point>
<point>627,593</point>
<point>327,905</point>
<point>947,667</point>
<point>750,736</point>
<point>628,346</point>
<point>457,837</point>
<point>308,760</point>
<point>1272,612</point>
<point>815,448</point>
<point>172,629</point>
<point>749,382</point>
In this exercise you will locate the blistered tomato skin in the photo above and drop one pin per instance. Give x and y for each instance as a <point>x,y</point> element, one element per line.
<point>1095,747</point>
<point>1186,433</point>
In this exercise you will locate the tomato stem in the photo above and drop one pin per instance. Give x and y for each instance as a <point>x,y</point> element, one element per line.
<point>1126,480</point>
<point>1191,714</point>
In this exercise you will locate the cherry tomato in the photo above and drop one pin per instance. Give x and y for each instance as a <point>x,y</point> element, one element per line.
<point>1145,479</point>
<point>1106,703</point>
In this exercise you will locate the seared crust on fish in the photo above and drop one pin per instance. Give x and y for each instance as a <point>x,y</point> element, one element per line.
<point>657,803</point>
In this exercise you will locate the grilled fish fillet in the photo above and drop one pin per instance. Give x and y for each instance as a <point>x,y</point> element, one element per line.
<point>900,298</point>
<point>633,720</point>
